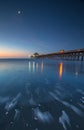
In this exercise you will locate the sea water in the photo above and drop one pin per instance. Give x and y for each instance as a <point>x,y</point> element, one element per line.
<point>41,94</point>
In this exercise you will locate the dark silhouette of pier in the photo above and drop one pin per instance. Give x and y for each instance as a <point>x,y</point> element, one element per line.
<point>77,54</point>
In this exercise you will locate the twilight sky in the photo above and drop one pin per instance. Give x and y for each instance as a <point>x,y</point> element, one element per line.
<point>43,26</point>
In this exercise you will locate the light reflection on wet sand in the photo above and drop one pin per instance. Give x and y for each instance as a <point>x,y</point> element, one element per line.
<point>32,104</point>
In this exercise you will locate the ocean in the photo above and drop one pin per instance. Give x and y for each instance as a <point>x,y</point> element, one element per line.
<point>41,94</point>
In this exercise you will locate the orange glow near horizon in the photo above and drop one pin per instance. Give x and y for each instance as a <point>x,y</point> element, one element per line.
<point>61,69</point>
<point>13,54</point>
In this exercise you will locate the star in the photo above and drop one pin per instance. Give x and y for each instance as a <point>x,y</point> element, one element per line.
<point>19,12</point>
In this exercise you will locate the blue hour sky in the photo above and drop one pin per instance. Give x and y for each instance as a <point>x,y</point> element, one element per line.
<point>43,26</point>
